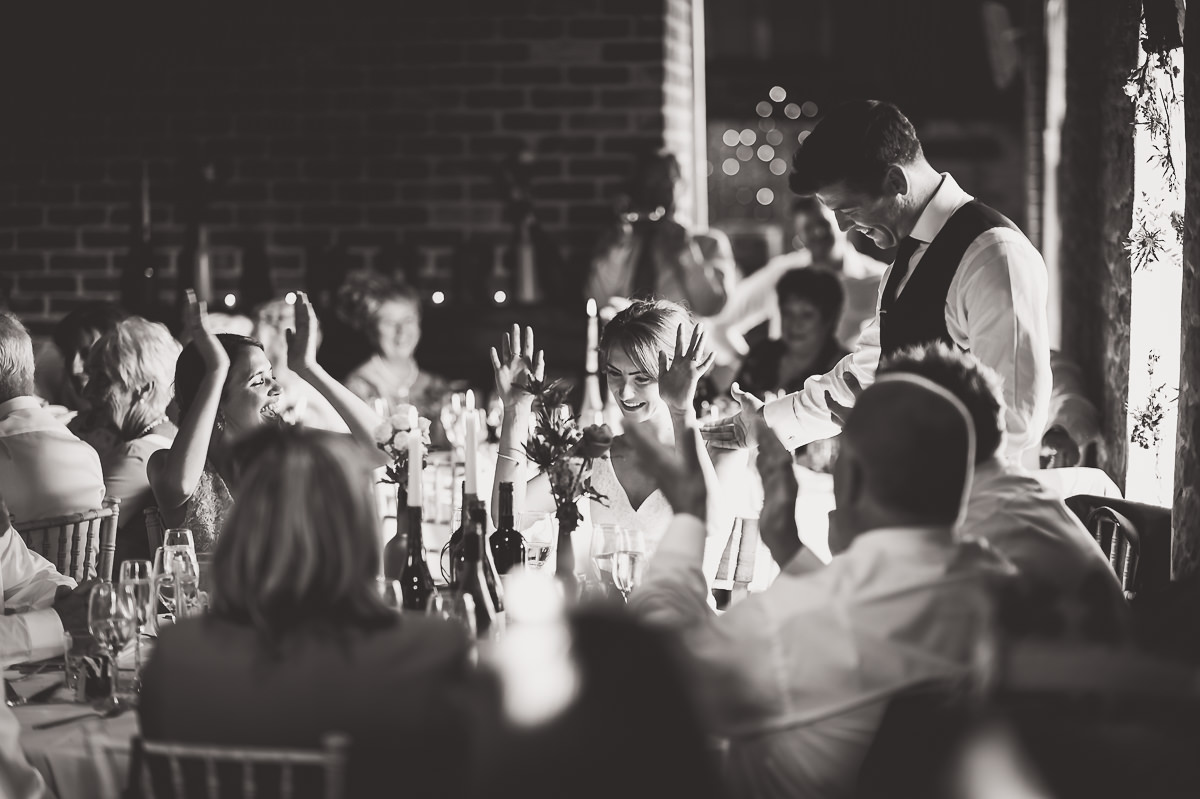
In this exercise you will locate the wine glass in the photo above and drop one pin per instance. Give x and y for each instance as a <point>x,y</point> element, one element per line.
<point>164,582</point>
<point>455,607</point>
<point>178,543</point>
<point>137,580</point>
<point>112,621</point>
<point>628,560</point>
<point>605,542</point>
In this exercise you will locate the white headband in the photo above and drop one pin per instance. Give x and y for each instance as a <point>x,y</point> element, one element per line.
<point>929,385</point>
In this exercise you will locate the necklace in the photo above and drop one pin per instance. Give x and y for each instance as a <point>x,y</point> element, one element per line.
<point>146,430</point>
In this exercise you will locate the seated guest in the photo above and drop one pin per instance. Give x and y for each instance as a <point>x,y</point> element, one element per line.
<point>224,389</point>
<point>798,676</point>
<point>74,336</point>
<point>389,313</point>
<point>819,243</point>
<point>1008,507</point>
<point>810,304</point>
<point>130,383</point>
<point>44,469</point>
<point>299,402</point>
<point>299,642</point>
<point>38,603</point>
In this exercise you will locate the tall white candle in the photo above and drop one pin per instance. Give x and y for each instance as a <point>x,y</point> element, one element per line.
<point>471,444</point>
<point>414,459</point>
<point>593,338</point>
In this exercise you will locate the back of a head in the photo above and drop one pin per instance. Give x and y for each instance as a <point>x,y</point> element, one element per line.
<point>136,353</point>
<point>856,142</point>
<point>16,358</point>
<point>913,444</point>
<point>974,384</point>
<point>644,328</point>
<point>190,369</point>
<point>301,545</point>
<point>94,317</point>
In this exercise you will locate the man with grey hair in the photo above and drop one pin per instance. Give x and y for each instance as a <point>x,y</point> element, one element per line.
<point>45,470</point>
<point>797,677</point>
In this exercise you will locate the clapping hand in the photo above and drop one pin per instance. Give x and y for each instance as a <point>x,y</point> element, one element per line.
<point>736,431</point>
<point>515,365</point>
<point>679,476</point>
<point>678,379</point>
<point>195,325</point>
<point>71,605</point>
<point>302,342</point>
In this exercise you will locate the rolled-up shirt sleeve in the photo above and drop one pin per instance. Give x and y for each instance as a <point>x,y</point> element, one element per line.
<point>30,629</point>
<point>1000,303</point>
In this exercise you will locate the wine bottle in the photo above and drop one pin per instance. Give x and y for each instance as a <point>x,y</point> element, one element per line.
<point>453,549</point>
<point>472,576</point>
<point>395,551</point>
<point>508,546</point>
<point>416,583</point>
<point>479,518</point>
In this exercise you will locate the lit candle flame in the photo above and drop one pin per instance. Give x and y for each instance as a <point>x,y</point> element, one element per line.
<point>591,307</point>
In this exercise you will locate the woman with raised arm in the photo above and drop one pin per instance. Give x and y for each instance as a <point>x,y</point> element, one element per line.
<point>224,388</point>
<point>652,375</point>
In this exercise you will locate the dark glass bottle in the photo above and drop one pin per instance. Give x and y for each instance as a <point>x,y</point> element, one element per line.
<point>452,552</point>
<point>508,546</point>
<point>395,551</point>
<point>479,518</point>
<point>416,583</point>
<point>472,576</point>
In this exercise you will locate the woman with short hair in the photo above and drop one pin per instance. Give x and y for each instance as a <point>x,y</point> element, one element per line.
<point>130,383</point>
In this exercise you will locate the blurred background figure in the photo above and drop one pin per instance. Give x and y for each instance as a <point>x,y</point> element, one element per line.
<point>819,242</point>
<point>73,337</point>
<point>1073,436</point>
<point>388,312</point>
<point>299,641</point>
<point>130,383</point>
<point>810,303</point>
<point>650,253</point>
<point>300,403</point>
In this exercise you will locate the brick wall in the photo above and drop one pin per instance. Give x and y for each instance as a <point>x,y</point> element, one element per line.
<point>360,135</point>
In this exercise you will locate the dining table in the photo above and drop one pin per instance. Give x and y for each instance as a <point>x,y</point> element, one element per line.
<point>84,753</point>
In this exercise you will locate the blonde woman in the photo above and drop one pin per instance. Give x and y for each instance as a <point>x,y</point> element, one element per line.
<point>130,382</point>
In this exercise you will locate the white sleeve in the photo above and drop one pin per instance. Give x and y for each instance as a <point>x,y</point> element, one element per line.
<point>30,628</point>
<point>1001,303</point>
<point>804,416</point>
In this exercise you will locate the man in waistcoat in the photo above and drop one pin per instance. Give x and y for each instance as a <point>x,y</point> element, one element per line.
<point>963,274</point>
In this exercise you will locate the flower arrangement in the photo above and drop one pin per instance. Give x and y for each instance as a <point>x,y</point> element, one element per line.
<point>392,436</point>
<point>564,452</point>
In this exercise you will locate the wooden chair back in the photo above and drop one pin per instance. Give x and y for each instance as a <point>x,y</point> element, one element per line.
<point>154,528</point>
<point>164,770</point>
<point>80,545</point>
<point>1136,538</point>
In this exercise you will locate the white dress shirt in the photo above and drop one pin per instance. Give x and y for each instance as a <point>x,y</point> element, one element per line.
<point>18,779</point>
<point>1031,527</point>
<point>30,628</point>
<point>995,309</point>
<point>754,301</point>
<point>798,676</point>
<point>45,470</point>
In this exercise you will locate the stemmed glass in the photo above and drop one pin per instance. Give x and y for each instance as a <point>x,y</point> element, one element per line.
<point>605,541</point>
<point>540,538</point>
<point>456,607</point>
<point>112,621</point>
<point>137,580</point>
<point>628,560</point>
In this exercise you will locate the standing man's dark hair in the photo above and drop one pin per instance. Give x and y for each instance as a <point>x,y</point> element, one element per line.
<point>856,143</point>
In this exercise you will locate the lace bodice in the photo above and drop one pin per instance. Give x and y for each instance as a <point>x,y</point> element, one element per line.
<point>651,518</point>
<point>205,512</point>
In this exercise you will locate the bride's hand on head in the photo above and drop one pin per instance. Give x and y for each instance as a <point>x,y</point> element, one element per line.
<point>515,365</point>
<point>195,325</point>
<point>677,379</point>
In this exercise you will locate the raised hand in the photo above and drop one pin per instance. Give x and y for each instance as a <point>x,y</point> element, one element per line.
<point>678,379</point>
<point>680,476</point>
<point>514,365</point>
<point>777,521</point>
<point>302,343</point>
<point>195,326</point>
<point>737,431</point>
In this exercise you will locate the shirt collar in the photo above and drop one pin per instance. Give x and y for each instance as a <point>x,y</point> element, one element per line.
<point>18,404</point>
<point>948,198</point>
<point>897,539</point>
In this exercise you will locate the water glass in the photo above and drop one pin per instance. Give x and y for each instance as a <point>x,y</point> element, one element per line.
<point>606,539</point>
<point>112,621</point>
<point>178,543</point>
<point>137,580</point>
<point>540,538</point>
<point>628,560</point>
